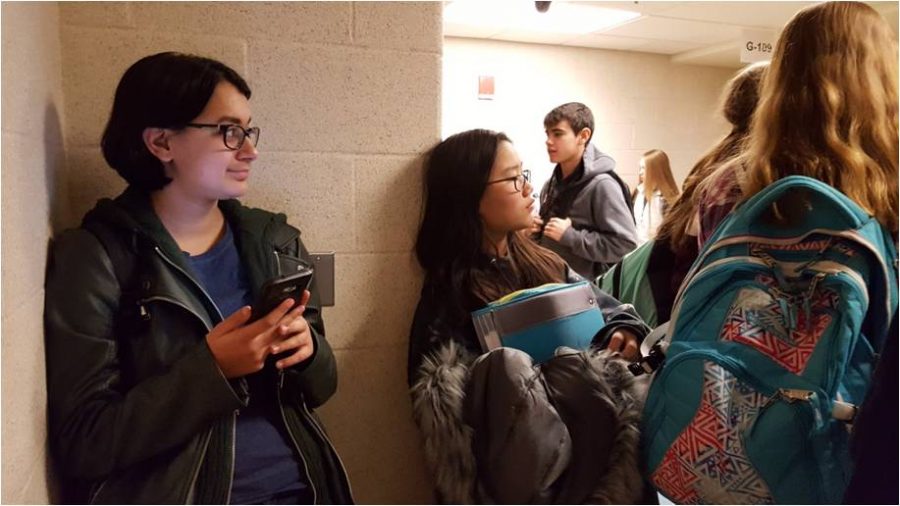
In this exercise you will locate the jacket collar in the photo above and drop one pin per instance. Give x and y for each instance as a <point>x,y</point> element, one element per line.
<point>257,232</point>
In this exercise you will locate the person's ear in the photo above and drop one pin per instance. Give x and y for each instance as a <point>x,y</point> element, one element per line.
<point>157,142</point>
<point>583,136</point>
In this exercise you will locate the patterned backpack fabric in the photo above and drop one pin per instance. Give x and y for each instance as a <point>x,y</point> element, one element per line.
<point>772,343</point>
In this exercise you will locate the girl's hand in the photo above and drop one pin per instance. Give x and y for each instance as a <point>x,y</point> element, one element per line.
<point>625,342</point>
<point>296,335</point>
<point>240,348</point>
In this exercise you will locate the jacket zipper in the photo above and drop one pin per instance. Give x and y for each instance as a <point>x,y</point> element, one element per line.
<point>196,284</point>
<point>196,473</point>
<point>312,485</point>
<point>97,491</point>
<point>174,302</point>
<point>334,452</point>
<point>277,263</point>
<point>233,452</point>
<point>287,427</point>
<point>309,417</point>
<point>209,299</point>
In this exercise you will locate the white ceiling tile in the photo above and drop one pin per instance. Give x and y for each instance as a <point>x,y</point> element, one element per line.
<point>668,46</point>
<point>607,42</point>
<point>727,55</point>
<point>654,27</point>
<point>461,30</point>
<point>698,33</point>
<point>642,7</point>
<point>532,36</point>
<point>749,14</point>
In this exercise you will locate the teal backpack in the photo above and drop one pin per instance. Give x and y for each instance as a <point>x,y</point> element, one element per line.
<point>772,343</point>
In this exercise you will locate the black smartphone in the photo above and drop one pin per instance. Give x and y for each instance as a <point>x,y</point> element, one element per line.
<point>275,291</point>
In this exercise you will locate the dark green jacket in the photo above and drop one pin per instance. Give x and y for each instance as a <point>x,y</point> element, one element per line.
<point>139,412</point>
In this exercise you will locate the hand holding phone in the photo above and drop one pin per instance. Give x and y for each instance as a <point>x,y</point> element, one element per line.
<point>275,291</point>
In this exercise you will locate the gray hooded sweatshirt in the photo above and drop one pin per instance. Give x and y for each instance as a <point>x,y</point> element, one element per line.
<point>602,230</point>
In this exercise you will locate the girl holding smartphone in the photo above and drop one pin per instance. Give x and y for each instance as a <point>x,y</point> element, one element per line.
<point>158,386</point>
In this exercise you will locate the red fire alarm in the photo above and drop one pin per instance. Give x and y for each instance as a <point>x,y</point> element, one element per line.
<point>485,87</point>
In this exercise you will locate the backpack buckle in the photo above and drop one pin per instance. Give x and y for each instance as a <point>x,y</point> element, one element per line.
<point>653,351</point>
<point>650,362</point>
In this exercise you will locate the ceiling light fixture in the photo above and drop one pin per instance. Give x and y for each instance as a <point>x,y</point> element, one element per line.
<point>564,17</point>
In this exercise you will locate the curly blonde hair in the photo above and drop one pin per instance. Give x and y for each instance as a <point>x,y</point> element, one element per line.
<point>828,108</point>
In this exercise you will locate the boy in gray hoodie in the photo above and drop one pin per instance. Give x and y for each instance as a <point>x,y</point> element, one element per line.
<point>585,213</point>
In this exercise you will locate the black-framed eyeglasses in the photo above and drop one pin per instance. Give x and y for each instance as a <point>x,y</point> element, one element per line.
<point>232,135</point>
<point>518,180</point>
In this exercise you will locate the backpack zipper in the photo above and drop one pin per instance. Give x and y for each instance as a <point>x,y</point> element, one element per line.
<point>824,266</point>
<point>813,396</point>
<point>846,234</point>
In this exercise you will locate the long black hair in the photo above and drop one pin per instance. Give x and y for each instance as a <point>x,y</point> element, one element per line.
<point>450,237</point>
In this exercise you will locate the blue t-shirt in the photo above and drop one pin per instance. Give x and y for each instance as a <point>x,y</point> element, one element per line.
<point>264,461</point>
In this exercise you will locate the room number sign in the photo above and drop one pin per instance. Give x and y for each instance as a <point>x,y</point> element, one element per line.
<point>757,45</point>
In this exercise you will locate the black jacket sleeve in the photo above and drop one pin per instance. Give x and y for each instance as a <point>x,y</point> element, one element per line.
<point>96,424</point>
<point>315,377</point>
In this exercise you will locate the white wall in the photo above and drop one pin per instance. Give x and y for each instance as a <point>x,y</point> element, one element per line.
<point>640,101</point>
<point>34,203</point>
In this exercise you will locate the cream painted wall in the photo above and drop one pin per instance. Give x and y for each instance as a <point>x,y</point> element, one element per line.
<point>347,96</point>
<point>640,101</point>
<point>33,205</point>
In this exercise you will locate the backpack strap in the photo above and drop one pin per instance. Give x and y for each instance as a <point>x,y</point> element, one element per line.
<point>617,280</point>
<point>626,194</point>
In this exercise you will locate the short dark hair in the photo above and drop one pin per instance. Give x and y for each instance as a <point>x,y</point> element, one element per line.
<point>577,114</point>
<point>164,90</point>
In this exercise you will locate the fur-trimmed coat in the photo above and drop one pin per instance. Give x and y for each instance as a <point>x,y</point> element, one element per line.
<point>499,429</point>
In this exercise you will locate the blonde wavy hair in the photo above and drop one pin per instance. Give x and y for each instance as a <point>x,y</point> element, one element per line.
<point>658,175</point>
<point>828,108</point>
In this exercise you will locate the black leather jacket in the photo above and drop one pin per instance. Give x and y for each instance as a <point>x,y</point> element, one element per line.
<point>139,412</point>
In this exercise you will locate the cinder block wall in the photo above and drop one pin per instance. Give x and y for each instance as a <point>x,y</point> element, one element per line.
<point>33,204</point>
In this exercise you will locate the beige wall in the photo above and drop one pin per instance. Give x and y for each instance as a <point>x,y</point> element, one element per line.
<point>347,95</point>
<point>33,204</point>
<point>640,101</point>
